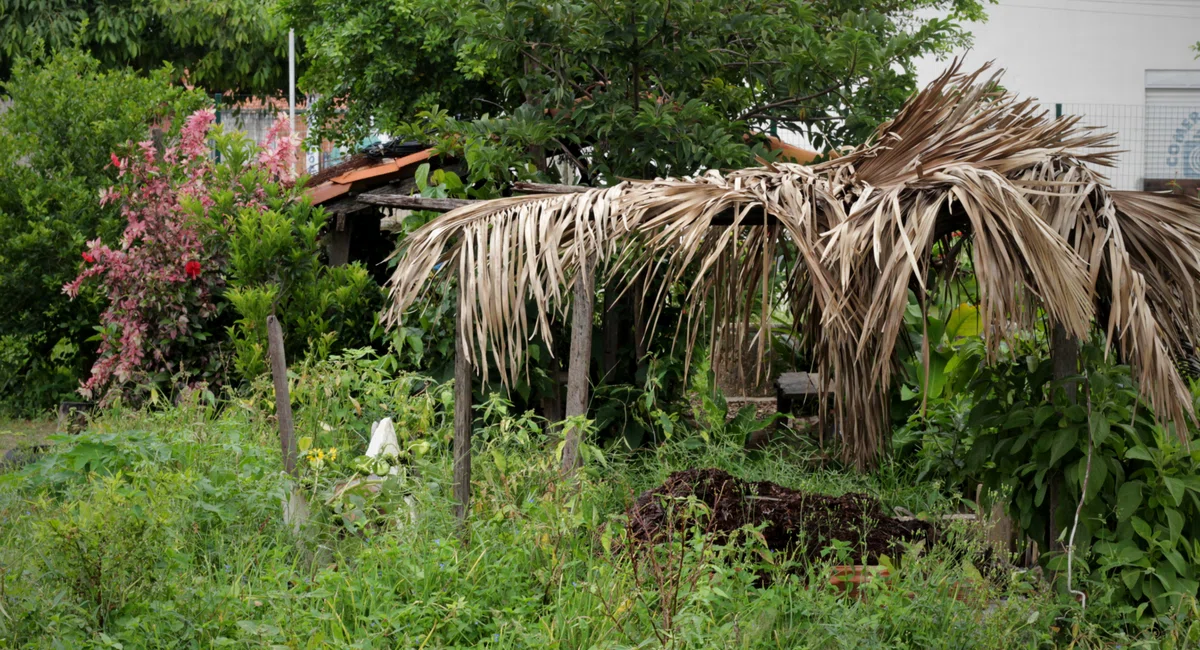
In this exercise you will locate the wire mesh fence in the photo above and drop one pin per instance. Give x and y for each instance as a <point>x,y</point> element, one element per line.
<point>1128,124</point>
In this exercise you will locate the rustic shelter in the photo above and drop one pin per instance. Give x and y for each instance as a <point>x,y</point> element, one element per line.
<point>1046,236</point>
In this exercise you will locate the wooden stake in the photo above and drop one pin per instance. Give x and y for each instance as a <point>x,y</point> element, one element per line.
<point>283,401</point>
<point>580,362</point>
<point>462,421</point>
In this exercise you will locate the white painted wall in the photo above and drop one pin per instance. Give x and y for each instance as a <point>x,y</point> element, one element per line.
<point>1091,56</point>
<point>1082,51</point>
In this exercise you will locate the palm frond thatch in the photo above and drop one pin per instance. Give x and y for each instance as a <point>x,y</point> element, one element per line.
<point>1047,233</point>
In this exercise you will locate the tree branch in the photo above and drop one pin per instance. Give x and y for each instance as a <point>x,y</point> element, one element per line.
<point>786,102</point>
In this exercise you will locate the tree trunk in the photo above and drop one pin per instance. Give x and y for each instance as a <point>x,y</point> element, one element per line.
<point>580,362</point>
<point>283,401</point>
<point>462,421</point>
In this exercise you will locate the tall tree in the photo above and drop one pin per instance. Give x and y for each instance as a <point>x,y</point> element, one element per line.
<point>617,87</point>
<point>221,45</point>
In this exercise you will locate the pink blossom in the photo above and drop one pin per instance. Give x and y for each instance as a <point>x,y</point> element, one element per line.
<point>153,301</point>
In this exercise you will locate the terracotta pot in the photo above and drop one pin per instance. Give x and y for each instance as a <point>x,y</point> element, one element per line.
<point>849,579</point>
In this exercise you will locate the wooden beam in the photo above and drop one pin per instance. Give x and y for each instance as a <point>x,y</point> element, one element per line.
<point>413,202</point>
<point>548,188</point>
<point>283,401</point>
<point>580,356</point>
<point>462,420</point>
<point>754,217</point>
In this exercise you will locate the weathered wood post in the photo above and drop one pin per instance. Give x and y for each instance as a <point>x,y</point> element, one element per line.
<point>462,417</point>
<point>580,361</point>
<point>1064,358</point>
<point>283,401</point>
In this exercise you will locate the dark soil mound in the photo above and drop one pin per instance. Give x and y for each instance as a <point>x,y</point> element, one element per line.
<point>796,521</point>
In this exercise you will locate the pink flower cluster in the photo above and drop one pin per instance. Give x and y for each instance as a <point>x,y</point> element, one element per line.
<point>165,278</point>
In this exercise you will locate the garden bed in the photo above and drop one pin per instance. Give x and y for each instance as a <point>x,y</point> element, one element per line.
<point>794,521</point>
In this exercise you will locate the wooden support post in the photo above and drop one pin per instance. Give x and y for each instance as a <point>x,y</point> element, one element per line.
<point>1064,357</point>
<point>611,328</point>
<point>339,244</point>
<point>580,361</point>
<point>640,344</point>
<point>462,420</point>
<point>283,401</point>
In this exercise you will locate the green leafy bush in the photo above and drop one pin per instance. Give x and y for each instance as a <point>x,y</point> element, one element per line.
<point>275,268</point>
<point>1011,427</point>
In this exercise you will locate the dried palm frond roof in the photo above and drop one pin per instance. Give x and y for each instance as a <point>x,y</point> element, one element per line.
<point>1046,229</point>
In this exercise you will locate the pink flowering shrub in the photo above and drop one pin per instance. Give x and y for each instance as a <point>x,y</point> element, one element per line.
<point>164,280</point>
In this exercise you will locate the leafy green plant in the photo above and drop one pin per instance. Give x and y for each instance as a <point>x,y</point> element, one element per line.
<point>638,89</point>
<point>275,268</point>
<point>1135,485</point>
<point>222,46</point>
<point>112,546</point>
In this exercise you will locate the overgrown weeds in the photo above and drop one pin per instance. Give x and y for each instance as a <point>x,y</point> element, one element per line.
<point>165,529</point>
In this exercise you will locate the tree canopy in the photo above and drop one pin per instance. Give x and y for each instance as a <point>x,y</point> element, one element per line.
<point>220,45</point>
<point>617,87</point>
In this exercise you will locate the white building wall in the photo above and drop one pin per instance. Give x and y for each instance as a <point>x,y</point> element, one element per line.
<point>1090,56</point>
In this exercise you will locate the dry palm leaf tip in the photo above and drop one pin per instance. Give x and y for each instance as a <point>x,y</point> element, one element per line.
<point>1047,235</point>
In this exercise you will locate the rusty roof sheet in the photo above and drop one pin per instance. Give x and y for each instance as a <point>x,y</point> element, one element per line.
<point>372,176</point>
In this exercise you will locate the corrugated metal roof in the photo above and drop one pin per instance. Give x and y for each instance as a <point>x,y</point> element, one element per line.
<point>366,177</point>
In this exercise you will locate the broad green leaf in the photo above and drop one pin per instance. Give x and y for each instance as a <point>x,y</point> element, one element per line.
<point>1142,528</point>
<point>1100,430</point>
<point>963,321</point>
<point>1096,479</point>
<point>1129,499</point>
<point>1177,561</point>
<point>1138,452</point>
<point>1043,413</point>
<point>1176,487</point>
<point>1130,576</point>
<point>1064,441</point>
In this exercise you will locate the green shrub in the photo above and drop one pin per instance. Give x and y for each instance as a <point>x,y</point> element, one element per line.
<point>1009,426</point>
<point>275,267</point>
<point>113,546</point>
<point>194,495</point>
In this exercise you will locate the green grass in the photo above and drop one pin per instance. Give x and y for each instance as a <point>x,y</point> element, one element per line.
<point>164,530</point>
<point>24,433</point>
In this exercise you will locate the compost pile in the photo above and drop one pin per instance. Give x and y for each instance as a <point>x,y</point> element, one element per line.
<point>795,521</point>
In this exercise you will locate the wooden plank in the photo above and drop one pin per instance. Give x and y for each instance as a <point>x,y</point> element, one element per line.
<point>462,422</point>
<point>283,401</point>
<point>413,202</point>
<point>794,388</point>
<point>799,384</point>
<point>580,362</point>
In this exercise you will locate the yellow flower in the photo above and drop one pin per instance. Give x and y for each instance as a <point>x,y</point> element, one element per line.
<point>333,453</point>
